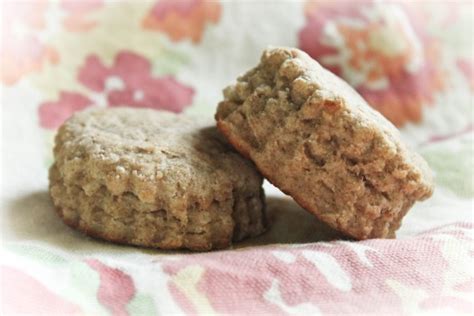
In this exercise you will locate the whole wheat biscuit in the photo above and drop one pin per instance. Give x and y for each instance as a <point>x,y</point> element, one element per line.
<point>154,179</point>
<point>316,139</point>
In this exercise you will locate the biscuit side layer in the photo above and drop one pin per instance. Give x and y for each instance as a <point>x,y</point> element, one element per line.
<point>191,192</point>
<point>126,219</point>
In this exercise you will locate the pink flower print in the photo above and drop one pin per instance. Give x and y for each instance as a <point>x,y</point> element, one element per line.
<point>330,278</point>
<point>116,287</point>
<point>22,294</point>
<point>466,67</point>
<point>129,82</point>
<point>53,113</point>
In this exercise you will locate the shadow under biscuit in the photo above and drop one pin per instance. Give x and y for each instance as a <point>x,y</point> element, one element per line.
<point>32,217</point>
<point>291,224</point>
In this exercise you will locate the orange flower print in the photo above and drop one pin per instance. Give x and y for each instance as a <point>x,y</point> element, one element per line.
<point>77,11</point>
<point>182,19</point>
<point>23,51</point>
<point>383,50</point>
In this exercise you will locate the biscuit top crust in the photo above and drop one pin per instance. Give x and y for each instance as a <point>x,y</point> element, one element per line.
<point>151,154</point>
<point>310,82</point>
<point>300,84</point>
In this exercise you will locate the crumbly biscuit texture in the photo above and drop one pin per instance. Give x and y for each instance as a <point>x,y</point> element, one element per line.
<point>316,139</point>
<point>154,179</point>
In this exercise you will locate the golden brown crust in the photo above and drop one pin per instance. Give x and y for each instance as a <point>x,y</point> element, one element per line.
<point>154,179</point>
<point>317,140</point>
<point>240,147</point>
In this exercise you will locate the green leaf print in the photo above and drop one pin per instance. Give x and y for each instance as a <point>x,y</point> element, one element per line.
<point>142,304</point>
<point>453,164</point>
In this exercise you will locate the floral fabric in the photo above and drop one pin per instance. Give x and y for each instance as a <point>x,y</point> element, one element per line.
<point>412,61</point>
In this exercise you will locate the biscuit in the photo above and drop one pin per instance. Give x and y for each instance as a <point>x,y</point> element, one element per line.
<point>315,138</point>
<point>154,179</point>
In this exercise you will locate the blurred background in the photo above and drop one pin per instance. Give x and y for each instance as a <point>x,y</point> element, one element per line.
<point>411,60</point>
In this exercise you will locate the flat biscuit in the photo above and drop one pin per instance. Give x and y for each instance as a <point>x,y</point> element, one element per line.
<point>316,139</point>
<point>154,179</point>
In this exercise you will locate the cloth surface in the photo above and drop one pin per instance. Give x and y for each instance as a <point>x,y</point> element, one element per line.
<point>412,61</point>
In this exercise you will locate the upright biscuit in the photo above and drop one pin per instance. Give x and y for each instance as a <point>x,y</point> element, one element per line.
<point>316,139</point>
<point>154,179</point>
